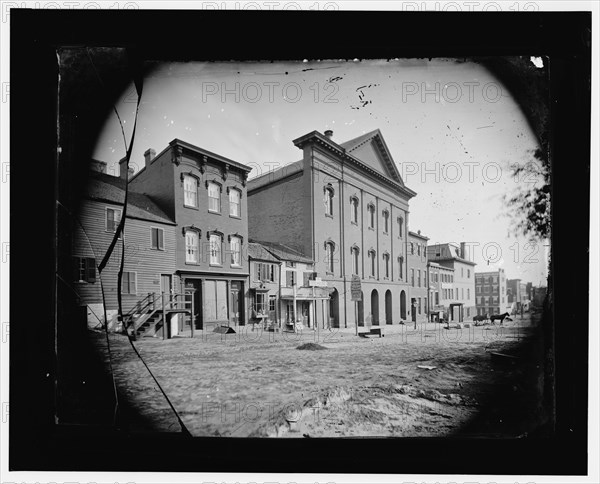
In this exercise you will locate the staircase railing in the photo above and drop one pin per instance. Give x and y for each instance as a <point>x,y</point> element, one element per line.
<point>162,302</point>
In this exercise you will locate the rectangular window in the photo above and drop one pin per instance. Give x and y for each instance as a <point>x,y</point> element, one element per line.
<point>215,249</point>
<point>290,278</point>
<point>129,283</point>
<point>412,277</point>
<point>260,303</point>
<point>419,302</point>
<point>214,198</point>
<point>158,238</point>
<point>234,203</point>
<point>468,293</point>
<point>191,247</point>
<point>437,297</point>
<point>113,219</point>
<point>272,301</point>
<point>84,269</point>
<point>418,277</point>
<point>190,191</point>
<point>235,247</point>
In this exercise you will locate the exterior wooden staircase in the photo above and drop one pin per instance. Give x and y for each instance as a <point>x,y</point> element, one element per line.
<point>149,314</point>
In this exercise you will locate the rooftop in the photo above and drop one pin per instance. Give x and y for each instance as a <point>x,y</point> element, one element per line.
<point>108,188</point>
<point>283,252</point>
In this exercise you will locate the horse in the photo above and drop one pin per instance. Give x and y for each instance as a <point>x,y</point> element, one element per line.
<point>501,317</point>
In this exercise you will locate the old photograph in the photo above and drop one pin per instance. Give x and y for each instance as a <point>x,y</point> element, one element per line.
<point>258,250</point>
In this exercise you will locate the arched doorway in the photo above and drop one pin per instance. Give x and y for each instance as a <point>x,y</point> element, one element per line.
<point>375,307</point>
<point>388,307</point>
<point>402,304</point>
<point>334,304</point>
<point>361,310</point>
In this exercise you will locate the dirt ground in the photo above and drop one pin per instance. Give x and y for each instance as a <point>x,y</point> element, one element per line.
<point>432,381</point>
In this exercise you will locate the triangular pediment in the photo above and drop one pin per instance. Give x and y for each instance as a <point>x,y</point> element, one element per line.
<point>371,150</point>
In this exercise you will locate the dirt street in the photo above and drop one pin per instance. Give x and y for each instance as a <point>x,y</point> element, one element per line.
<point>432,381</point>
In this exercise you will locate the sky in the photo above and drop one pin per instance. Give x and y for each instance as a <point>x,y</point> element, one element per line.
<point>452,128</point>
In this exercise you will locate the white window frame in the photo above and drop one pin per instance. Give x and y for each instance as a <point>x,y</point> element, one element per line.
<point>212,238</point>
<point>190,195</point>
<point>236,255</point>
<point>195,250</point>
<point>237,204</point>
<point>218,198</point>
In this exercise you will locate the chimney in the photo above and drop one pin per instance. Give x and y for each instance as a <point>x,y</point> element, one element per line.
<point>329,133</point>
<point>122,164</point>
<point>463,251</point>
<point>149,155</point>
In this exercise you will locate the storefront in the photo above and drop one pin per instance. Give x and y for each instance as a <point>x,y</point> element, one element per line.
<point>308,307</point>
<point>217,301</point>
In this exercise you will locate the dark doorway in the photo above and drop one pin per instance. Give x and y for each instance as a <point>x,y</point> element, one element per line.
<point>193,290</point>
<point>334,309</point>
<point>403,305</point>
<point>236,303</point>
<point>388,307</point>
<point>413,309</point>
<point>375,307</point>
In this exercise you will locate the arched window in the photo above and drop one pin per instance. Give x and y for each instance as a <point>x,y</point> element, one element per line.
<point>354,210</point>
<point>386,263</point>
<point>372,256</point>
<point>400,226</point>
<point>355,252</point>
<point>401,266</point>
<point>329,200</point>
<point>329,251</point>
<point>386,220</point>
<point>371,210</point>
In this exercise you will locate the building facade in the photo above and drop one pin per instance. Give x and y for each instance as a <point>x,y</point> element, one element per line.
<point>345,206</point>
<point>456,257</point>
<point>441,290</point>
<point>491,293</point>
<point>264,286</point>
<point>149,245</point>
<point>417,265</point>
<point>205,195</point>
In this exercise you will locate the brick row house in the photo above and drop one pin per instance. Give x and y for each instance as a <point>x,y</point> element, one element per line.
<point>417,262</point>
<point>491,292</point>
<point>344,206</point>
<point>205,196</point>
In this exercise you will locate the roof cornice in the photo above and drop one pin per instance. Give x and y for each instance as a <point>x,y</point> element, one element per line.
<point>201,151</point>
<point>320,140</point>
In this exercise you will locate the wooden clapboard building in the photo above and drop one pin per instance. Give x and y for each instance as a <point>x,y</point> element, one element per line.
<point>148,242</point>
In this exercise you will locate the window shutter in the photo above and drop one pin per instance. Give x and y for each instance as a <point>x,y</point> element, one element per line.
<point>154,234</point>
<point>91,269</point>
